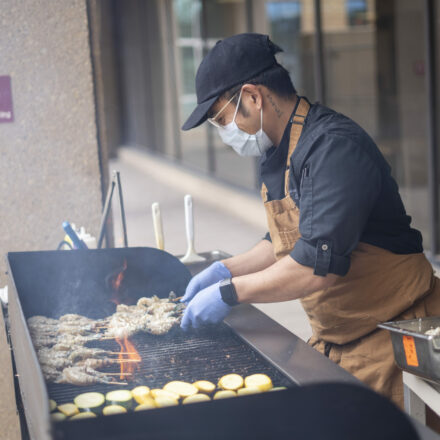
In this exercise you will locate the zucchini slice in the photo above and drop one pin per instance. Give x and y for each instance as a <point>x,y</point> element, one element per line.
<point>261,381</point>
<point>231,382</point>
<point>248,390</point>
<point>90,402</point>
<point>183,389</point>
<point>278,388</point>
<point>113,409</point>
<point>141,394</point>
<point>224,394</point>
<point>204,386</point>
<point>120,397</point>
<point>57,417</point>
<point>68,409</point>
<point>145,406</point>
<point>195,398</point>
<point>83,415</point>
<point>52,405</point>
<point>157,392</point>
<point>162,401</point>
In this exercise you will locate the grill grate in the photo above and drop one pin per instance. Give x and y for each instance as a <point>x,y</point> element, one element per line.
<point>206,354</point>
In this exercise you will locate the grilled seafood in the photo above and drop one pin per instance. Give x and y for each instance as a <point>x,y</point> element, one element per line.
<point>60,342</point>
<point>84,375</point>
<point>38,320</point>
<point>47,341</point>
<point>51,374</point>
<point>98,363</point>
<point>47,359</point>
<point>83,353</point>
<point>152,315</point>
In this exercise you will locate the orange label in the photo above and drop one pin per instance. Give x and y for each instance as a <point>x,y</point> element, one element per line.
<point>410,351</point>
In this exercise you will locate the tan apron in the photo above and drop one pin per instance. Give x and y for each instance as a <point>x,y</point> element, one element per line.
<point>380,286</point>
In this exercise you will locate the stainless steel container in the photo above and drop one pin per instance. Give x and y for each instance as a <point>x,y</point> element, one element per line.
<point>415,351</point>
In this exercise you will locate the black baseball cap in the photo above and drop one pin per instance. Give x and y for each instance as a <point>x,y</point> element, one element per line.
<point>230,62</point>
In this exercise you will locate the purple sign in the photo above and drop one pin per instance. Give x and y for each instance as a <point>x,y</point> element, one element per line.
<point>6,112</point>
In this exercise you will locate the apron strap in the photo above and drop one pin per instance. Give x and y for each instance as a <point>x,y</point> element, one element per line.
<point>264,192</point>
<point>295,133</point>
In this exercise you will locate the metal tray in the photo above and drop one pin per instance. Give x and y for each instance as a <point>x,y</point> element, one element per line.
<point>413,350</point>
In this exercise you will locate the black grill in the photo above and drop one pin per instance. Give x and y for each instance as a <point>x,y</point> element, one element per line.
<point>54,283</point>
<point>202,355</point>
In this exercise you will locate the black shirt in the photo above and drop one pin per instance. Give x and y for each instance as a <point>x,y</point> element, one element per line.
<point>343,187</point>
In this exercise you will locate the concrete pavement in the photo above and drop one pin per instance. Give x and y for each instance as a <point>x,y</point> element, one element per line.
<point>225,218</point>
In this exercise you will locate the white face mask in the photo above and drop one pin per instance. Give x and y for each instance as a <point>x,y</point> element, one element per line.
<point>243,143</point>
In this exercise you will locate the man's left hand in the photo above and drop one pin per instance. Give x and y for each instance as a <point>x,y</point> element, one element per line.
<point>207,307</point>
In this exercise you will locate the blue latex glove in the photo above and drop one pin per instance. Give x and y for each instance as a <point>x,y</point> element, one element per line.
<point>207,307</point>
<point>215,272</point>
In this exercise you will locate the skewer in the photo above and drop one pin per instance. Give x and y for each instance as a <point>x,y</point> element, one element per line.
<point>125,352</point>
<point>118,374</point>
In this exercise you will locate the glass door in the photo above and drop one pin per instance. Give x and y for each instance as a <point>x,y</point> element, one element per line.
<point>374,53</point>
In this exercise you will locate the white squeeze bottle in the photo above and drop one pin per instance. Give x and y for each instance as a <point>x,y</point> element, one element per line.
<point>88,239</point>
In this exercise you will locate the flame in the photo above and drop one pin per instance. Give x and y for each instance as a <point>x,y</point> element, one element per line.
<point>116,283</point>
<point>128,350</point>
<point>131,354</point>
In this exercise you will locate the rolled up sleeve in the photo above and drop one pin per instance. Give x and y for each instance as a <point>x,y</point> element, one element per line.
<point>339,186</point>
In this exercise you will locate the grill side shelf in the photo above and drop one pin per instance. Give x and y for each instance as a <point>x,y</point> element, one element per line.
<point>298,361</point>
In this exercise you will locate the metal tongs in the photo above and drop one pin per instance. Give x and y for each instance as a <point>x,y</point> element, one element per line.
<point>116,180</point>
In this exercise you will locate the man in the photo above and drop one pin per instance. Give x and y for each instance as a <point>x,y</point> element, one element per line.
<point>339,237</point>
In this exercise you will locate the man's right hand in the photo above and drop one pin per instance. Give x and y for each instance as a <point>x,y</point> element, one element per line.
<point>214,273</point>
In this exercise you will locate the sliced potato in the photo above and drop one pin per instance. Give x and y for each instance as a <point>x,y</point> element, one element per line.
<point>195,398</point>
<point>57,416</point>
<point>68,409</point>
<point>157,392</point>
<point>248,390</point>
<point>146,406</point>
<point>141,394</point>
<point>261,381</point>
<point>120,397</point>
<point>90,402</point>
<point>224,394</point>
<point>148,401</point>
<point>162,401</point>
<point>204,386</point>
<point>183,389</point>
<point>113,409</point>
<point>83,415</point>
<point>231,382</point>
<point>278,388</point>
<point>52,405</point>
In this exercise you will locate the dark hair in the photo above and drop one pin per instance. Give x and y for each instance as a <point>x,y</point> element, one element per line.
<point>276,79</point>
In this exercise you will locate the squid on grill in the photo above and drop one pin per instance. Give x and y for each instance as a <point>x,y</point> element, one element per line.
<point>152,315</point>
<point>83,376</point>
<point>60,342</point>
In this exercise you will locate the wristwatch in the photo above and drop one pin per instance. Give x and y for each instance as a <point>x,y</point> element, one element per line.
<point>228,292</point>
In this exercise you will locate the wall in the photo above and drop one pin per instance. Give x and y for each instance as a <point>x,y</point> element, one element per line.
<point>49,164</point>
